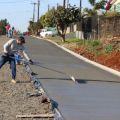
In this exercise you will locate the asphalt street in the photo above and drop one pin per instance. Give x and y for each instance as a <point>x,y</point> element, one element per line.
<point>96,96</point>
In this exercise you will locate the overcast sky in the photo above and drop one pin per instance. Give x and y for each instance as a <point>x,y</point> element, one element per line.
<point>20,12</point>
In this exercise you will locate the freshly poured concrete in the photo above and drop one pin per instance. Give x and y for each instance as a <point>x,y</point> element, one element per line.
<point>96,96</point>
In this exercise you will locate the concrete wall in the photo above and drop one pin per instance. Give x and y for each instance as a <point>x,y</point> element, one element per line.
<point>97,27</point>
<point>72,28</point>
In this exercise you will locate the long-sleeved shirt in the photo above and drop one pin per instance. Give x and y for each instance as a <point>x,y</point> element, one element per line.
<point>11,47</point>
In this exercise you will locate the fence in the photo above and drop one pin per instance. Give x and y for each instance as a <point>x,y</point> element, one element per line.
<point>99,27</point>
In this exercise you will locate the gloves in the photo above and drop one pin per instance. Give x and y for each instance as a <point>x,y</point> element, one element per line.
<point>31,62</point>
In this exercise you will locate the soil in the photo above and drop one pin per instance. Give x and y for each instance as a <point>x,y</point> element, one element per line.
<point>14,99</point>
<point>111,60</point>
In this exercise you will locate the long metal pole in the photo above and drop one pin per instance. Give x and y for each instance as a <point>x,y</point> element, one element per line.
<point>64,3</point>
<point>38,9</point>
<point>80,8</point>
<point>34,11</point>
<point>67,3</point>
<point>81,20</point>
<point>48,7</point>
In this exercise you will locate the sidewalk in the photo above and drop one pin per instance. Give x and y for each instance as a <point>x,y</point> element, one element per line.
<point>14,99</point>
<point>96,64</point>
<point>95,95</point>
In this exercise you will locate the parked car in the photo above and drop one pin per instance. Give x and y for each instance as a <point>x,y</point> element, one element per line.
<point>48,32</point>
<point>26,33</point>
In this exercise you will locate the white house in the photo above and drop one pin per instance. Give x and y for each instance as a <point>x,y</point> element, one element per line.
<point>115,5</point>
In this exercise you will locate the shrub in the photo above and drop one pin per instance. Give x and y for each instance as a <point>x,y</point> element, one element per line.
<point>95,43</point>
<point>112,14</point>
<point>109,48</point>
<point>72,40</point>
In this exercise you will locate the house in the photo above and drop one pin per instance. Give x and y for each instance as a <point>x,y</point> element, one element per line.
<point>113,5</point>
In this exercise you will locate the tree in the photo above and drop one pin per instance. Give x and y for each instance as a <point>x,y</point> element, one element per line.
<point>34,27</point>
<point>3,23</point>
<point>42,20</point>
<point>95,6</point>
<point>47,20</point>
<point>31,27</point>
<point>92,2</point>
<point>100,5</point>
<point>64,17</point>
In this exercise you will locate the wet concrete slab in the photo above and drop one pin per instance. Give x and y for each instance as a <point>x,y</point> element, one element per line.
<point>95,97</point>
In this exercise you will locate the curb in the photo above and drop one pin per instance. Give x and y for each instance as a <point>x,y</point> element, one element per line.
<point>110,70</point>
<point>39,87</point>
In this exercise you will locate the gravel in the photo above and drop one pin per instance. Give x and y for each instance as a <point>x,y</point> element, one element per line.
<point>14,99</point>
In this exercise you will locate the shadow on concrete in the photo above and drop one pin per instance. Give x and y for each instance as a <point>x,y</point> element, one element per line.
<point>55,78</point>
<point>38,65</point>
<point>80,81</point>
<point>85,81</point>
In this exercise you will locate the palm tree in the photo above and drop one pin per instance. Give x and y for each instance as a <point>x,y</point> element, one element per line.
<point>95,6</point>
<point>92,2</point>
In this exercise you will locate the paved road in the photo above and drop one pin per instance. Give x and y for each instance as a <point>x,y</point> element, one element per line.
<point>96,97</point>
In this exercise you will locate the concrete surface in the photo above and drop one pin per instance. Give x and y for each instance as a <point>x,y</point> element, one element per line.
<point>95,96</point>
<point>103,67</point>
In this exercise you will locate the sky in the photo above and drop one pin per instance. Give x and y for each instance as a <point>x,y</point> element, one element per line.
<point>20,12</point>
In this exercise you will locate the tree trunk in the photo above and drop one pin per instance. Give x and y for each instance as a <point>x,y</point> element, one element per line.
<point>61,33</point>
<point>63,37</point>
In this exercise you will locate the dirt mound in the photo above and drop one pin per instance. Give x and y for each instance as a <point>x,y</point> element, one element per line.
<point>84,52</point>
<point>111,60</point>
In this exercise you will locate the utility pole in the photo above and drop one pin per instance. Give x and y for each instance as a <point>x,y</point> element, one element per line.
<point>48,7</point>
<point>80,30</point>
<point>57,5</point>
<point>38,10</point>
<point>67,3</point>
<point>64,3</point>
<point>34,11</point>
<point>80,8</point>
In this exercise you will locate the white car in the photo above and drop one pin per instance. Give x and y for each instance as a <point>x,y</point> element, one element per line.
<point>44,33</point>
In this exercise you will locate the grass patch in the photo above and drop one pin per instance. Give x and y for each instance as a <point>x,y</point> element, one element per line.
<point>93,46</point>
<point>108,48</point>
<point>72,40</point>
<point>58,40</point>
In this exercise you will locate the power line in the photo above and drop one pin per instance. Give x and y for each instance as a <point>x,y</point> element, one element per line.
<point>38,10</point>
<point>12,12</point>
<point>15,2</point>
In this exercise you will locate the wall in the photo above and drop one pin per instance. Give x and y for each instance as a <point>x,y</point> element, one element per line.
<point>98,27</point>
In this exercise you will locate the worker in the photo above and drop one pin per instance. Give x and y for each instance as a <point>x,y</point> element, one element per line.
<point>10,49</point>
